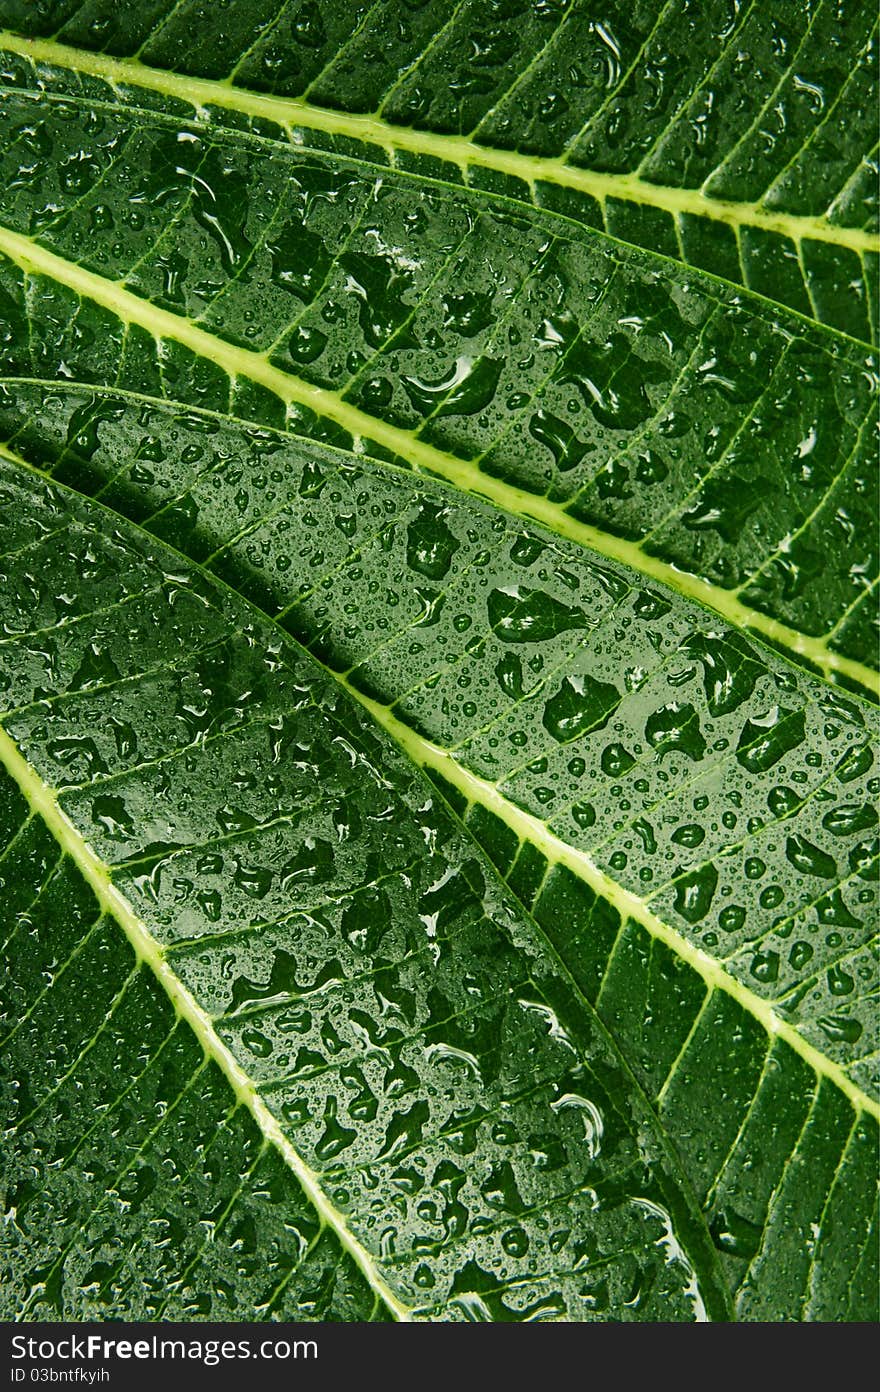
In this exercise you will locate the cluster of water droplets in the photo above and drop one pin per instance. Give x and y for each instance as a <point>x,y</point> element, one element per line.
<point>389,1002</point>
<point>316,901</point>
<point>652,404</point>
<point>732,796</point>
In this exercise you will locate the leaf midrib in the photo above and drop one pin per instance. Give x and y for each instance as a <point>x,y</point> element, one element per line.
<point>33,258</point>
<point>291,113</point>
<point>43,802</point>
<point>557,852</point>
<point>427,758</point>
<point>433,182</point>
<point>431,758</point>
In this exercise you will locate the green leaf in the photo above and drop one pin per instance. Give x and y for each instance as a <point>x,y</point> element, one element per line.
<point>439,821</point>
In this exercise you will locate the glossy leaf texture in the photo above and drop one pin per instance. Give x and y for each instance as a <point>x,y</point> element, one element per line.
<point>438,661</point>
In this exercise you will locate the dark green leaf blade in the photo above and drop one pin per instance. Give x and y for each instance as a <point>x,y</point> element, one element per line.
<point>380,1006</point>
<point>743,143</point>
<point>248,315</point>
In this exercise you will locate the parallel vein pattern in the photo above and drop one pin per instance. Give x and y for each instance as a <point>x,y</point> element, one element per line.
<point>446,1122</point>
<point>463,426</point>
<point>42,803</point>
<point>439,559</point>
<point>686,131</point>
<point>205,842</point>
<point>531,700</point>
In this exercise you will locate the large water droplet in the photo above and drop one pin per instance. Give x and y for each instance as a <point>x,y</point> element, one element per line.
<point>591,1117</point>
<point>520,615</point>
<point>809,859</point>
<point>676,726</point>
<point>469,387</point>
<point>582,703</point>
<point>430,545</point>
<point>765,739</point>
<point>695,891</point>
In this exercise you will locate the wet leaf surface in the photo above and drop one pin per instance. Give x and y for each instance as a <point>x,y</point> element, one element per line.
<point>438,549</point>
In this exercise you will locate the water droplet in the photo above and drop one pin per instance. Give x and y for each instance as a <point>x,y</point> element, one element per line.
<point>300,261</point>
<point>449,1054</point>
<point>468,388</point>
<point>233,819</point>
<point>854,763</point>
<point>766,739</point>
<point>612,380</point>
<point>736,1235</point>
<point>615,760</point>
<point>690,835</point>
<point>841,1029</point>
<point>335,1138</point>
<point>515,1242</point>
<point>500,1191</point>
<point>77,750</point>
<point>467,312</point>
<point>676,726</point>
<point>566,447</point>
<point>726,504</point>
<point>258,1043</point>
<point>305,343</point>
<point>520,615</point>
<point>731,918</point>
<point>525,550</point>
<point>765,966</point>
<point>430,545</point>
<point>78,172</point>
<point>380,282</point>
<point>590,1115</point>
<point>96,669</point>
<point>112,814</point>
<point>730,669</point>
<point>849,818</point>
<point>695,891</point>
<point>800,954</point>
<point>864,859</point>
<point>809,859</point>
<point>582,703</point>
<point>840,983</point>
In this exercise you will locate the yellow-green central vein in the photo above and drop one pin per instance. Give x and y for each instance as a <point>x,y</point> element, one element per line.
<point>33,258</point>
<point>43,802</point>
<point>293,115</point>
<point>529,828</point>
